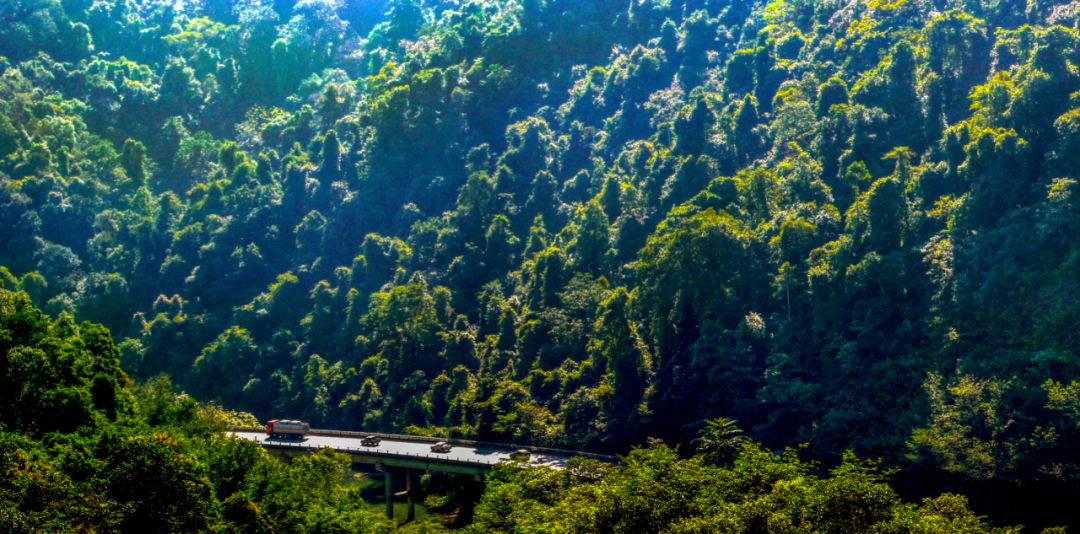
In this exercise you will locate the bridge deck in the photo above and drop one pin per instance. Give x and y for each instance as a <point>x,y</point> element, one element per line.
<point>414,450</point>
<point>409,452</point>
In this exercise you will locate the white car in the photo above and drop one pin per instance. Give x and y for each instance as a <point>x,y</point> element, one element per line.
<point>441,446</point>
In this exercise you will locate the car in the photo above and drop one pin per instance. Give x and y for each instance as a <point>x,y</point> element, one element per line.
<point>521,454</point>
<point>371,441</point>
<point>441,446</point>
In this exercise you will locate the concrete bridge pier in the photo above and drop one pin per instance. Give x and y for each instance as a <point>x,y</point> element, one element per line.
<point>389,491</point>
<point>409,494</point>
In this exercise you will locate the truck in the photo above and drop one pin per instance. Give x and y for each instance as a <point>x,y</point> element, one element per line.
<point>287,429</point>
<point>441,446</point>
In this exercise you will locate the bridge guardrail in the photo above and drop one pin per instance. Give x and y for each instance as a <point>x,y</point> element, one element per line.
<point>367,450</point>
<point>452,441</point>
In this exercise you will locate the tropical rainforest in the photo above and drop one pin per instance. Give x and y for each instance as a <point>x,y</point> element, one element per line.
<point>849,227</point>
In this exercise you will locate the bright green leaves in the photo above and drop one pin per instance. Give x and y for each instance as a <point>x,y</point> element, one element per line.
<point>720,441</point>
<point>55,377</point>
<point>591,238</point>
<point>893,87</point>
<point>833,92</point>
<point>39,492</point>
<point>452,199</point>
<point>233,349</point>
<point>967,431</point>
<point>133,161</point>
<point>501,246</point>
<point>1065,155</point>
<point>309,234</point>
<point>171,491</point>
<point>703,259</point>
<point>887,215</point>
<point>657,492</point>
<point>995,169</point>
<point>9,137</point>
<point>405,325</point>
<point>617,347</point>
<point>739,74</point>
<point>797,238</point>
<point>691,128</point>
<point>474,207</point>
<point>546,278</point>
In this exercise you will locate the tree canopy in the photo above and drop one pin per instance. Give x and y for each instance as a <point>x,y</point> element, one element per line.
<point>851,225</point>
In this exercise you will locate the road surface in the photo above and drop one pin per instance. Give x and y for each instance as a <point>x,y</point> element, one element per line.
<point>482,454</point>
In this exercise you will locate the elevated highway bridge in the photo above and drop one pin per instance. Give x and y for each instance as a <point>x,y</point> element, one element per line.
<point>409,452</point>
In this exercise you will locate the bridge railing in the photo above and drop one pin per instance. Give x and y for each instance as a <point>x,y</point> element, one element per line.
<point>453,441</point>
<point>369,451</point>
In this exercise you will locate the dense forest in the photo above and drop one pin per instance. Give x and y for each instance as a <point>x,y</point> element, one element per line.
<point>850,226</point>
<point>84,450</point>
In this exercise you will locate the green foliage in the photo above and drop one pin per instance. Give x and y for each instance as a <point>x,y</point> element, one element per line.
<point>536,221</point>
<point>95,453</point>
<point>172,491</point>
<point>56,376</point>
<point>967,428</point>
<point>658,492</point>
<point>720,441</point>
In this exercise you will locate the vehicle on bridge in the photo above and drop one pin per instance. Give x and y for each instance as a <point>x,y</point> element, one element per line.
<point>287,429</point>
<point>441,446</point>
<point>521,454</point>
<point>371,441</point>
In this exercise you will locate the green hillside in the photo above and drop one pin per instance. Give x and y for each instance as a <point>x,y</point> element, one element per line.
<point>848,225</point>
<point>83,450</point>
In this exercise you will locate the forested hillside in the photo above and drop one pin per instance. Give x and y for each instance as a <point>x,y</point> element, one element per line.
<point>83,450</point>
<point>848,224</point>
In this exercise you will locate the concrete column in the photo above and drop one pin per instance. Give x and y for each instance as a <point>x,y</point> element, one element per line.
<point>409,490</point>
<point>389,493</point>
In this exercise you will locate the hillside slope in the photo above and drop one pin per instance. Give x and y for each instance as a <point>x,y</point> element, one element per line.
<point>853,225</point>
